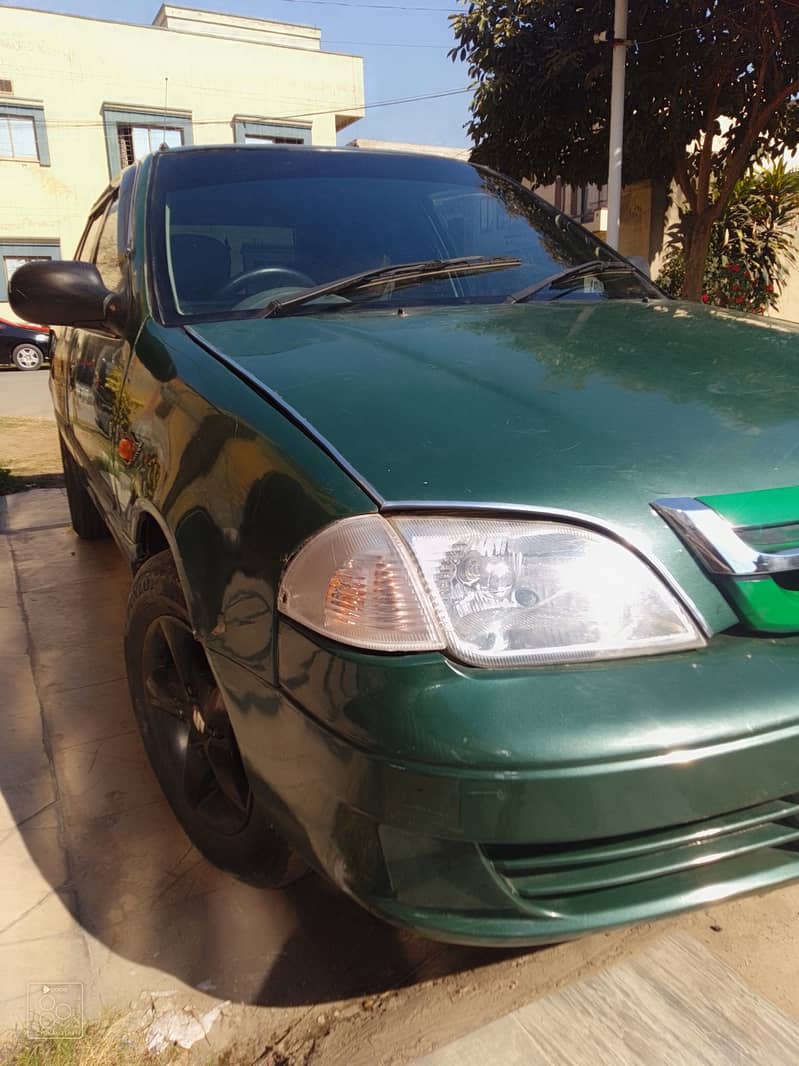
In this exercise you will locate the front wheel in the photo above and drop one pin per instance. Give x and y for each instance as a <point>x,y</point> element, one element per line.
<point>27,357</point>
<point>189,737</point>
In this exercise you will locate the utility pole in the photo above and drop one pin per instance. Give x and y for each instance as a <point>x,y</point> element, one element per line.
<point>616,121</point>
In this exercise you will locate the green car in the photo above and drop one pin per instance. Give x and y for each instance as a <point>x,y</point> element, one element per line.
<point>466,563</point>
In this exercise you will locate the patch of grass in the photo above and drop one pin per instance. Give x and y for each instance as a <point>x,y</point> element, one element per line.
<point>105,1043</point>
<point>29,446</point>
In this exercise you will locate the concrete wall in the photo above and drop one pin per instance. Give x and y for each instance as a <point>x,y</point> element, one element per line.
<point>74,66</point>
<point>788,306</point>
<point>789,297</point>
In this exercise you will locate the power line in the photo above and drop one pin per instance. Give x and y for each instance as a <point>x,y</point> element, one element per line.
<point>93,123</point>
<point>677,33</point>
<point>709,23</point>
<point>386,103</point>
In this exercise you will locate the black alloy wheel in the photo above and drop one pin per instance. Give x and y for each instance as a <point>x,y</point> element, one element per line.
<point>188,722</point>
<point>189,737</point>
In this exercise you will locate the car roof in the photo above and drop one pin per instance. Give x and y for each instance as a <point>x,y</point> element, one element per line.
<point>22,325</point>
<point>192,149</point>
<point>310,148</point>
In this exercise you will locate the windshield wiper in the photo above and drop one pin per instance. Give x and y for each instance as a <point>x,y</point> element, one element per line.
<point>582,270</point>
<point>400,273</point>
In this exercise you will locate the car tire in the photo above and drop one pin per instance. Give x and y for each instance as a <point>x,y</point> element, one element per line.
<point>189,738</point>
<point>27,357</point>
<point>87,521</point>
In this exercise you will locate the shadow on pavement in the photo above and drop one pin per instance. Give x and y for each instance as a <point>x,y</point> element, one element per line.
<point>133,881</point>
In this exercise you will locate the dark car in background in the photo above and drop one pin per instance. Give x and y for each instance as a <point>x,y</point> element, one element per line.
<point>25,347</point>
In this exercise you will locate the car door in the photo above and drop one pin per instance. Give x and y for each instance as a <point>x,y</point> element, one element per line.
<point>98,359</point>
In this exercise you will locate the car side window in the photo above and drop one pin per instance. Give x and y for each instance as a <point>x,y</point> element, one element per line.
<point>107,258</point>
<point>85,252</point>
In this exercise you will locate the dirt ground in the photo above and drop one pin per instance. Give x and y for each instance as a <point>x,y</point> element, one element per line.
<point>29,446</point>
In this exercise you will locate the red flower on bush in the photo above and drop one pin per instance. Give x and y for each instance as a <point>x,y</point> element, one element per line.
<point>705,297</point>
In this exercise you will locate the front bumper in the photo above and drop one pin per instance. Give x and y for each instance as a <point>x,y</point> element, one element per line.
<point>530,806</point>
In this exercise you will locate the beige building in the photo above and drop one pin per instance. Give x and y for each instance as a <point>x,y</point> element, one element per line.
<point>81,98</point>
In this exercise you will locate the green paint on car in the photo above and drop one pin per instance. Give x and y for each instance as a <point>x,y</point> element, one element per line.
<point>400,582</point>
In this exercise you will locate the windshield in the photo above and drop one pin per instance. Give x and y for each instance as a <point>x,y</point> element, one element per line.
<point>236,229</point>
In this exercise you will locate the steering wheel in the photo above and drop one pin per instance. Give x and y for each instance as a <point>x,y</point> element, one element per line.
<point>274,276</point>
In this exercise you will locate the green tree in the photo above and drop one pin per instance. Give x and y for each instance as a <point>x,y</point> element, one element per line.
<point>751,246</point>
<point>542,90</point>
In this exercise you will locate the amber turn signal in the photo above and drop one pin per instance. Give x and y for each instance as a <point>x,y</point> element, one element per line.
<point>126,449</point>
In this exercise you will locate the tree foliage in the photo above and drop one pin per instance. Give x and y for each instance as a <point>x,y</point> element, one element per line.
<point>751,246</point>
<point>542,94</point>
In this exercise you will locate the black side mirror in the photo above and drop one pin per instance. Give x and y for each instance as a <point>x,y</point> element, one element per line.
<point>62,293</point>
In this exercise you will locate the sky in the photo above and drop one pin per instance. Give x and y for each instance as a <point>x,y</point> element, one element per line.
<point>404,45</point>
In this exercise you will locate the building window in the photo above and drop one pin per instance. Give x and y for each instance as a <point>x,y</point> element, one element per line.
<point>135,142</point>
<point>17,137</point>
<point>258,138</point>
<point>22,133</point>
<point>13,254</point>
<point>129,135</point>
<point>257,131</point>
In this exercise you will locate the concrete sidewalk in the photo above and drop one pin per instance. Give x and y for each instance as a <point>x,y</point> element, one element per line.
<point>675,1003</point>
<point>36,926</point>
<point>46,941</point>
<point>104,904</point>
<point>102,897</point>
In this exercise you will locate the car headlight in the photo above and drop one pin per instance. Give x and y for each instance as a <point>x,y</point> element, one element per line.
<point>493,592</point>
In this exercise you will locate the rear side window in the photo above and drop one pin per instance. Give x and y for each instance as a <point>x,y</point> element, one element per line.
<point>107,258</point>
<point>88,242</point>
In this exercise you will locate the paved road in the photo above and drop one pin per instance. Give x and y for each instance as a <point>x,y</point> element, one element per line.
<point>24,395</point>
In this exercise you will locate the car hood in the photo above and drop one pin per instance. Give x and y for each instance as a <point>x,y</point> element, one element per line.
<point>598,409</point>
